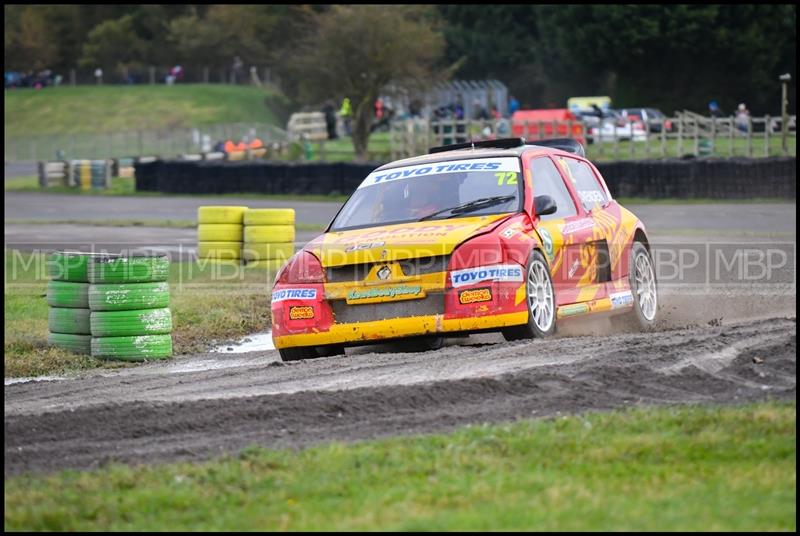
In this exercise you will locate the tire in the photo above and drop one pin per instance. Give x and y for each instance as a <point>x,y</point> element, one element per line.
<point>272,265</point>
<point>128,323</point>
<point>137,348</point>
<point>263,252</point>
<point>77,344</point>
<point>298,353</point>
<point>68,266</point>
<point>70,321</point>
<point>219,250</point>
<point>128,297</point>
<point>70,295</point>
<point>643,315</point>
<point>269,233</point>
<point>269,216</point>
<point>219,232</point>
<point>215,214</point>
<point>128,269</point>
<point>537,279</point>
<point>422,343</point>
<point>330,350</point>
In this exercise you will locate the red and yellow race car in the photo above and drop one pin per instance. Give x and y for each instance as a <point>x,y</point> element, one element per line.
<point>498,235</point>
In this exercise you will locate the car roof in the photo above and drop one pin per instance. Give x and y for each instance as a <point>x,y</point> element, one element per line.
<point>477,152</point>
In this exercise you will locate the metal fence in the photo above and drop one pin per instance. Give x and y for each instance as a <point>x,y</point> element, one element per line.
<point>686,134</point>
<point>167,143</point>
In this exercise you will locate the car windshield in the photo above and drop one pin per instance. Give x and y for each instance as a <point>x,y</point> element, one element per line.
<point>438,190</point>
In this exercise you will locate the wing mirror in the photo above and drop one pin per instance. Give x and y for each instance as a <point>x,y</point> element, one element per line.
<point>544,205</point>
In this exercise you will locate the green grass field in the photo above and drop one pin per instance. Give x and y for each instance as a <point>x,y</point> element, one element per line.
<point>97,109</point>
<point>658,469</point>
<point>209,300</point>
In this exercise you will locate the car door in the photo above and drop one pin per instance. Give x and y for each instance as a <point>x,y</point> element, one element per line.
<point>563,250</point>
<point>595,230</point>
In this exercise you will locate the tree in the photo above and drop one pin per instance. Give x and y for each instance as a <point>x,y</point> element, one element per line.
<point>26,44</point>
<point>357,50</point>
<point>113,43</point>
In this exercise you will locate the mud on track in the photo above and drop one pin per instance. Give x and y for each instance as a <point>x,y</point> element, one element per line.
<point>161,417</point>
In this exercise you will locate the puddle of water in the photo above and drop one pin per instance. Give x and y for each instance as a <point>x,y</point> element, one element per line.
<point>11,381</point>
<point>257,342</point>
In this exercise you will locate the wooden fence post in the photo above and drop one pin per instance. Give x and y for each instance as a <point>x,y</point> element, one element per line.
<point>663,138</point>
<point>766,135</point>
<point>679,149</point>
<point>749,136</point>
<point>730,135</point>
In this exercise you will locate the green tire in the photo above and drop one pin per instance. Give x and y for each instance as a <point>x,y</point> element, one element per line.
<point>128,297</point>
<point>78,344</point>
<point>74,321</point>
<point>136,348</point>
<point>128,323</point>
<point>68,266</point>
<point>128,269</point>
<point>66,294</point>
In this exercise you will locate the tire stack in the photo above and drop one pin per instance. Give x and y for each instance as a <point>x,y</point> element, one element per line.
<point>220,232</point>
<point>68,319</point>
<point>91,174</point>
<point>268,237</point>
<point>129,300</point>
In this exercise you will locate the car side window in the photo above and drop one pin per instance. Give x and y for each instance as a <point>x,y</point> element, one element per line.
<point>548,181</point>
<point>585,183</point>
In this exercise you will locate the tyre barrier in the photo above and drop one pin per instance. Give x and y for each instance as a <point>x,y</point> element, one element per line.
<point>90,174</point>
<point>68,297</point>
<point>730,178</point>
<point>134,269</point>
<point>128,296</point>
<point>219,232</point>
<point>269,235</point>
<point>130,319</point>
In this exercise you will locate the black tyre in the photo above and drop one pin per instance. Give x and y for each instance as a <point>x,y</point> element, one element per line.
<point>128,297</point>
<point>330,350</point>
<point>644,287</point>
<point>137,348</point>
<point>73,321</point>
<point>128,269</point>
<point>77,344</point>
<point>66,294</point>
<point>128,323</point>
<point>540,299</point>
<point>298,353</point>
<point>422,343</point>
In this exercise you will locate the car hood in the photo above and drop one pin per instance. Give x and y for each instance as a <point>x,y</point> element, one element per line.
<point>399,241</point>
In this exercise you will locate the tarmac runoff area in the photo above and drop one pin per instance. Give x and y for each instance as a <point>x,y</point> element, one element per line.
<point>719,341</point>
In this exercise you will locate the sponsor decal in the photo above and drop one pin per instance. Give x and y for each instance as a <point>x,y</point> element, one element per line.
<point>301,312</point>
<point>384,273</point>
<point>621,299</point>
<point>574,309</point>
<point>508,233</point>
<point>294,294</point>
<point>439,168</point>
<point>500,272</point>
<point>574,267</point>
<point>474,296</point>
<point>383,292</point>
<point>574,226</point>
<point>591,196</point>
<point>547,242</point>
<point>359,247</point>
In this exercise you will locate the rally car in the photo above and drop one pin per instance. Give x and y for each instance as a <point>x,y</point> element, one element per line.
<point>497,235</point>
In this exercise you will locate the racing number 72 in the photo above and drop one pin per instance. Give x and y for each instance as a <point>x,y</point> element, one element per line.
<point>509,177</point>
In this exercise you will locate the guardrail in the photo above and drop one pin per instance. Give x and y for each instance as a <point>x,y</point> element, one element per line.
<point>684,135</point>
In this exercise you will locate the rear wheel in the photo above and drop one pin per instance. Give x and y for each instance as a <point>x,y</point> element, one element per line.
<point>422,343</point>
<point>541,302</point>
<point>310,352</point>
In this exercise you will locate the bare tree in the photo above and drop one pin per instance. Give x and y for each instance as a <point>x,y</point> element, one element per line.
<point>356,50</point>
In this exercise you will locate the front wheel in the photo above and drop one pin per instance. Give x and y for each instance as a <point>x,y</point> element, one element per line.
<point>541,302</point>
<point>310,352</point>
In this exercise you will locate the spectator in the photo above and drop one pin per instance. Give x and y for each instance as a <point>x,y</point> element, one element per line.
<point>743,118</point>
<point>479,111</point>
<point>219,147</point>
<point>714,109</point>
<point>513,105</point>
<point>496,115</point>
<point>330,119</point>
<point>346,113</point>
<point>256,144</point>
<point>229,146</point>
<point>378,109</point>
<point>236,69</point>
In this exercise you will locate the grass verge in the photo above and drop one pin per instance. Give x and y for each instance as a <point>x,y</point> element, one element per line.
<point>666,469</point>
<point>210,302</point>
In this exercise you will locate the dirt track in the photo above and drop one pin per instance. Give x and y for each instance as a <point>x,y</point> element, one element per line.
<point>160,416</point>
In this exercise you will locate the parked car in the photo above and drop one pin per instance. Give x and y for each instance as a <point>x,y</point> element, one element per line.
<point>497,235</point>
<point>652,117</point>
